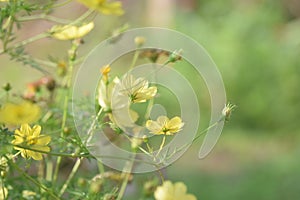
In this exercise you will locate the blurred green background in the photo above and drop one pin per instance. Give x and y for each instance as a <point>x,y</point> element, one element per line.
<point>256,45</point>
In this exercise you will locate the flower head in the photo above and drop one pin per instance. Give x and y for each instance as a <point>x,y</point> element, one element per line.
<point>16,114</point>
<point>164,125</point>
<point>70,32</point>
<point>31,139</point>
<point>227,110</point>
<point>170,191</point>
<point>105,90</point>
<point>111,8</point>
<point>137,90</point>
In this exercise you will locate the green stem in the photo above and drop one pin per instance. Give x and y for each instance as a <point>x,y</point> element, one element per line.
<point>37,183</point>
<point>82,17</point>
<point>61,4</point>
<point>8,33</point>
<point>161,145</point>
<point>135,57</point>
<point>44,17</point>
<point>208,128</point>
<point>126,173</point>
<point>91,129</point>
<point>25,42</point>
<point>71,175</point>
<point>66,102</point>
<point>49,170</point>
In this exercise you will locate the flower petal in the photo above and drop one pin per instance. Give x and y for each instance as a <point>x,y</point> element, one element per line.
<point>36,130</point>
<point>43,140</point>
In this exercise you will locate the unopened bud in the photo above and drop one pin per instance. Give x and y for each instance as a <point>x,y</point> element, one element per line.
<point>175,56</point>
<point>6,87</point>
<point>227,110</point>
<point>139,41</point>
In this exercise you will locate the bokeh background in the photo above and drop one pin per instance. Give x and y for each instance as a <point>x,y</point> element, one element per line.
<point>256,45</point>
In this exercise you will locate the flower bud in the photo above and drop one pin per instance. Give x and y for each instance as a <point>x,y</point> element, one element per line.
<point>7,87</point>
<point>139,41</point>
<point>227,110</point>
<point>175,56</point>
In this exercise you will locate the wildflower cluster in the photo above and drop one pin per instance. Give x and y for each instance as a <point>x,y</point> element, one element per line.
<point>41,154</point>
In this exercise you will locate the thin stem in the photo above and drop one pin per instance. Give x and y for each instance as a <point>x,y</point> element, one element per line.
<point>208,128</point>
<point>66,102</point>
<point>161,145</point>
<point>44,17</point>
<point>135,57</point>
<point>61,4</point>
<point>82,17</point>
<point>100,167</point>
<point>71,175</point>
<point>162,178</point>
<point>139,147</point>
<point>25,42</point>
<point>91,129</point>
<point>49,170</point>
<point>44,62</point>
<point>126,173</point>
<point>8,33</point>
<point>37,183</point>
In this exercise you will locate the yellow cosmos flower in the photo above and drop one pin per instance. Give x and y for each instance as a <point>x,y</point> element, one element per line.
<point>16,114</point>
<point>137,90</point>
<point>31,138</point>
<point>164,125</point>
<point>105,90</point>
<point>70,32</point>
<point>3,193</point>
<point>107,8</point>
<point>170,191</point>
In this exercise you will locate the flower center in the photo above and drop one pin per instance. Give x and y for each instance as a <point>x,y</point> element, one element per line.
<point>31,140</point>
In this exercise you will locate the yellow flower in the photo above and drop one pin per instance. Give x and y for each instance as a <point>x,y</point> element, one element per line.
<point>70,32</point>
<point>16,114</point>
<point>169,191</point>
<point>27,194</point>
<point>164,125</point>
<point>3,192</point>
<point>31,138</point>
<point>137,90</point>
<point>112,8</point>
<point>105,90</point>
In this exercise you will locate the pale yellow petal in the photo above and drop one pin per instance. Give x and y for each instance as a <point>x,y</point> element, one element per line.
<point>113,8</point>
<point>18,140</point>
<point>36,130</point>
<point>179,189</point>
<point>162,120</point>
<point>41,148</point>
<point>175,124</point>
<point>35,155</point>
<point>133,115</point>
<point>190,197</point>
<point>43,140</point>
<point>25,130</point>
<point>85,29</point>
<point>70,32</point>
<point>154,127</point>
